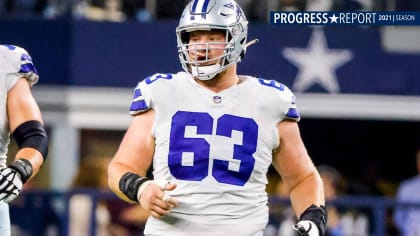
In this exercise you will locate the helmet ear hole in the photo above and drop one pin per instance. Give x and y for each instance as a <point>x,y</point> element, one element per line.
<point>242,55</point>
<point>242,42</point>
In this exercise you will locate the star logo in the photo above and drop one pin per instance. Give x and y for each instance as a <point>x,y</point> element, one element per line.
<point>317,63</point>
<point>333,18</point>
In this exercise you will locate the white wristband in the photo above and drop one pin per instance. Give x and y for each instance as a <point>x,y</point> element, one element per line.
<point>161,183</point>
<point>142,188</point>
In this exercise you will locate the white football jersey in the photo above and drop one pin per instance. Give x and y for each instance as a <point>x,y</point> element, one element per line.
<point>217,147</point>
<point>15,63</point>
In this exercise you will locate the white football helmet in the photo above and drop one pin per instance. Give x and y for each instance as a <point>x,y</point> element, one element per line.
<point>209,15</point>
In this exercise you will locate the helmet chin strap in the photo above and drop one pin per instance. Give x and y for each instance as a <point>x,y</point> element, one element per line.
<point>205,72</point>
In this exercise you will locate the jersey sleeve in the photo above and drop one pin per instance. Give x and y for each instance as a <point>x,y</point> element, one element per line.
<point>147,91</point>
<point>291,112</point>
<point>282,99</point>
<point>19,64</point>
<point>142,97</point>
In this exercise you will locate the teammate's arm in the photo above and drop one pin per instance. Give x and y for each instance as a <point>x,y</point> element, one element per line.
<point>299,174</point>
<point>26,126</point>
<point>127,170</point>
<point>21,108</point>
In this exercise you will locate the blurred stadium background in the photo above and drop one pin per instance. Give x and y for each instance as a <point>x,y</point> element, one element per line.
<point>359,96</point>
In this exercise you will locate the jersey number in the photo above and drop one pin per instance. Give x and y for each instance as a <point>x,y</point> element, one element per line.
<point>200,148</point>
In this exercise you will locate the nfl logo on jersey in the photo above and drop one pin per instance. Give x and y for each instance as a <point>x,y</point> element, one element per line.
<point>217,99</point>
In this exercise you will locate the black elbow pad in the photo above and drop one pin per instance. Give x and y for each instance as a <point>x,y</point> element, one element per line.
<point>32,134</point>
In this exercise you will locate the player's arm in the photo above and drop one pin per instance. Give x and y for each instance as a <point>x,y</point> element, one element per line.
<point>299,174</point>
<point>26,126</point>
<point>127,170</point>
<point>22,108</point>
<point>134,153</point>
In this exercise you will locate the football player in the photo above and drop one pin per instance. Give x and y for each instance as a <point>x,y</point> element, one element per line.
<point>21,117</point>
<point>211,135</point>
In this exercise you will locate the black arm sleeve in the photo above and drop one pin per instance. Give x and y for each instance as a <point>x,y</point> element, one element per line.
<point>32,134</point>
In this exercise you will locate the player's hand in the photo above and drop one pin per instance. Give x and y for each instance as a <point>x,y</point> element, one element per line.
<point>156,199</point>
<point>10,184</point>
<point>306,228</point>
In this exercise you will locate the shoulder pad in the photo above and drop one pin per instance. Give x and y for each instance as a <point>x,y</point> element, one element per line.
<point>20,62</point>
<point>143,92</point>
<point>286,96</point>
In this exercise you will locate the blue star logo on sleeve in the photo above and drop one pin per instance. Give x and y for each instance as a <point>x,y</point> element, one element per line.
<point>317,63</point>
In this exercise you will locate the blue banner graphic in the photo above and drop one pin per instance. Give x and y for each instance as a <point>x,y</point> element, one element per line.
<point>347,60</point>
<point>344,18</point>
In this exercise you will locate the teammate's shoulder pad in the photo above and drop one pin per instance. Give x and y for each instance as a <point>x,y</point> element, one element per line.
<point>21,61</point>
<point>13,49</point>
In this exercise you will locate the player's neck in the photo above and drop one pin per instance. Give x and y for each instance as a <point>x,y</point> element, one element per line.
<point>222,81</point>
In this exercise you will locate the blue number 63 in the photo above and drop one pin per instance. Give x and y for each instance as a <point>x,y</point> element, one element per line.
<point>200,148</point>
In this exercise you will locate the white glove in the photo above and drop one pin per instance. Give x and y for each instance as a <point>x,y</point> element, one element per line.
<point>306,228</point>
<point>10,184</point>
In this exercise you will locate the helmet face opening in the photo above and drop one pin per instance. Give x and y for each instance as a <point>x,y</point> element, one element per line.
<point>211,15</point>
